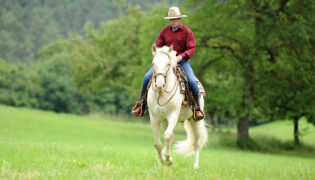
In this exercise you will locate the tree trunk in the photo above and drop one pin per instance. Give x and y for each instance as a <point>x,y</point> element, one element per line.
<point>242,129</point>
<point>242,124</point>
<point>296,131</point>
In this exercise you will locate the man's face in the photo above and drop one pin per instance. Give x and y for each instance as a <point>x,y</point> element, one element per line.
<point>175,22</point>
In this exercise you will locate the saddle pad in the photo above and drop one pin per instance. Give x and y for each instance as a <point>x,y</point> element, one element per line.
<point>202,91</point>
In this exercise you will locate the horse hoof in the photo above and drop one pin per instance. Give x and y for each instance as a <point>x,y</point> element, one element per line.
<point>170,161</point>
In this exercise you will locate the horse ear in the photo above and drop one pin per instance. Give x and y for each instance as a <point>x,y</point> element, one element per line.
<point>170,49</point>
<point>153,49</point>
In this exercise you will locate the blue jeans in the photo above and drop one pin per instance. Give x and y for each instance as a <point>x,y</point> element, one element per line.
<point>192,81</point>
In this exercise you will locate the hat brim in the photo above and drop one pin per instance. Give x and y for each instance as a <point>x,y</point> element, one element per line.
<point>177,17</point>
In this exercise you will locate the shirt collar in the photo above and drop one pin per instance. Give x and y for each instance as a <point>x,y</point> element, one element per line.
<point>180,26</point>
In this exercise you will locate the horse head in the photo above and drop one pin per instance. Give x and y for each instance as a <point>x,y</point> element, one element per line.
<point>164,60</point>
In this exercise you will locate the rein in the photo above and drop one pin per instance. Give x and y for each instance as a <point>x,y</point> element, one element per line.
<point>158,100</point>
<point>165,76</point>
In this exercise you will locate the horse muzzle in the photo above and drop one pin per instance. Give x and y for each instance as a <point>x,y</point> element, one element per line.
<point>160,88</point>
<point>160,83</point>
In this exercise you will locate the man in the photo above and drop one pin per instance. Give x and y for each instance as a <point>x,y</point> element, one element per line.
<point>183,41</point>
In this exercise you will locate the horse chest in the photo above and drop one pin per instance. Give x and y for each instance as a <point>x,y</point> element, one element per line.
<point>166,109</point>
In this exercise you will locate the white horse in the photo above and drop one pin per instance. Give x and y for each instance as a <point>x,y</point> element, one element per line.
<point>165,107</point>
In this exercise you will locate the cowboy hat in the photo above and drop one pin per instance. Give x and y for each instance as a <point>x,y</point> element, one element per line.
<point>173,13</point>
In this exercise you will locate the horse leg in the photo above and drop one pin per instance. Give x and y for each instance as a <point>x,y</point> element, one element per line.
<point>165,125</point>
<point>157,141</point>
<point>169,137</point>
<point>197,144</point>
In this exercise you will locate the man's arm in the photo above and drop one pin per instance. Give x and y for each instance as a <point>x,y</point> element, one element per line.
<point>160,40</point>
<point>190,46</point>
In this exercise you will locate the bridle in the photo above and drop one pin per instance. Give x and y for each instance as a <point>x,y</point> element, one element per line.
<point>165,77</point>
<point>163,74</point>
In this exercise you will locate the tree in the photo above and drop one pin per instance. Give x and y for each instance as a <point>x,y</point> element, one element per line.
<point>110,56</point>
<point>287,88</point>
<point>250,38</point>
<point>17,85</point>
<point>227,41</point>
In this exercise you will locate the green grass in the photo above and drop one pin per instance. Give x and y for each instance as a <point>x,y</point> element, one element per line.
<point>44,145</point>
<point>283,131</point>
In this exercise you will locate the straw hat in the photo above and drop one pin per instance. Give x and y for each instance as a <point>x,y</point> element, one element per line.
<point>173,13</point>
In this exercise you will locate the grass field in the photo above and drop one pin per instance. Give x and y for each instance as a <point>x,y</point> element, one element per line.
<point>44,145</point>
<point>283,131</point>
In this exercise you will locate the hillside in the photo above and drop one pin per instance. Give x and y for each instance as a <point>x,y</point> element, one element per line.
<point>27,26</point>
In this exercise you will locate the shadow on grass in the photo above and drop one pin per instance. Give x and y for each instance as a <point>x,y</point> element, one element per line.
<point>261,144</point>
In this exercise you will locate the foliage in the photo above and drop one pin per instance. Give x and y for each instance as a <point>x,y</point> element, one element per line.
<point>117,55</point>
<point>289,94</point>
<point>257,45</point>
<point>64,53</point>
<point>57,90</point>
<point>17,85</point>
<point>228,55</point>
<point>216,66</point>
<point>108,55</point>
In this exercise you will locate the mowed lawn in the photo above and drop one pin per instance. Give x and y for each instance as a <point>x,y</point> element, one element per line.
<point>44,145</point>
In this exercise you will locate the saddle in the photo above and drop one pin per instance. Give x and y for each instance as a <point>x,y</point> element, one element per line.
<point>185,89</point>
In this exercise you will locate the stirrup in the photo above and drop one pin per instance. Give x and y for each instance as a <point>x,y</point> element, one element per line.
<point>134,107</point>
<point>200,117</point>
<point>142,111</point>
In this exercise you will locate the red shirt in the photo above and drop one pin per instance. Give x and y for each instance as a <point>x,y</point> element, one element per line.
<point>183,40</point>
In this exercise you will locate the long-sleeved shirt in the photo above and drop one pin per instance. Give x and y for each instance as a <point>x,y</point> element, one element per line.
<point>183,40</point>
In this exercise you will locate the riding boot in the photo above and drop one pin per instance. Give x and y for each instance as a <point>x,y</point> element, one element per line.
<point>139,108</point>
<point>198,114</point>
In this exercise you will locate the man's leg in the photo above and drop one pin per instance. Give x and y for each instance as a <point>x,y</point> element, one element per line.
<point>139,108</point>
<point>192,81</point>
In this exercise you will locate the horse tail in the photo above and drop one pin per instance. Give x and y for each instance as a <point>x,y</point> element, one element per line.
<point>186,147</point>
<point>203,133</point>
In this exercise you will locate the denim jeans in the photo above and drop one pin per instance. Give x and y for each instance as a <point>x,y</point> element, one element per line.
<point>192,81</point>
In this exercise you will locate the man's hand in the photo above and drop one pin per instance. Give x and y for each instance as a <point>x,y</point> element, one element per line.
<point>178,58</point>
